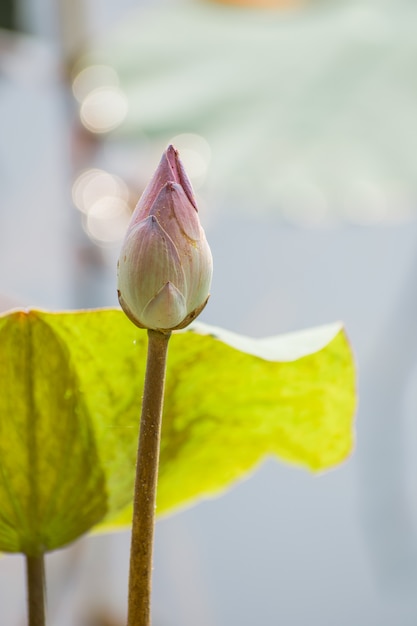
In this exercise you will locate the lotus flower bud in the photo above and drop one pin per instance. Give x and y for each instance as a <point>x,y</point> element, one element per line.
<point>165,264</point>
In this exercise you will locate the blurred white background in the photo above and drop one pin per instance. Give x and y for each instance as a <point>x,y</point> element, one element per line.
<point>297,125</point>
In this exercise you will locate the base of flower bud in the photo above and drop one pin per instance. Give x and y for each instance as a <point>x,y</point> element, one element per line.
<point>186,321</point>
<point>191,316</point>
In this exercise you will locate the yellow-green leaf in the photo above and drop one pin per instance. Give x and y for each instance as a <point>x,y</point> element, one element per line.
<point>52,485</point>
<point>70,390</point>
<point>227,409</point>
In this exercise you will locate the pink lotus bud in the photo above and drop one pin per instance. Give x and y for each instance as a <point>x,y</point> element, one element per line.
<point>165,264</point>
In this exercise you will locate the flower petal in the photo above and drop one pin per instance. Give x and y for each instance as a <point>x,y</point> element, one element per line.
<point>167,171</point>
<point>179,219</point>
<point>148,260</point>
<point>176,214</point>
<point>166,310</point>
<point>180,174</point>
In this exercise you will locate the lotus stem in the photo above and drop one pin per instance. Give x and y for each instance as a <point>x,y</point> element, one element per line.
<point>140,576</point>
<point>35,577</point>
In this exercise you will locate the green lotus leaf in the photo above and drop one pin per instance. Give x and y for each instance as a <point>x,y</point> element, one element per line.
<point>70,392</point>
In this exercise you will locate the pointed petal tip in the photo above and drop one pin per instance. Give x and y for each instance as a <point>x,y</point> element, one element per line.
<point>171,155</point>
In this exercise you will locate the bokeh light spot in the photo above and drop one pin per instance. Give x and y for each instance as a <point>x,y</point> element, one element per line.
<point>107,220</point>
<point>93,77</point>
<point>93,184</point>
<point>103,109</point>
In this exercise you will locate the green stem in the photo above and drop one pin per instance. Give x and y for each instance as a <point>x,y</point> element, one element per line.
<point>146,480</point>
<point>35,577</point>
